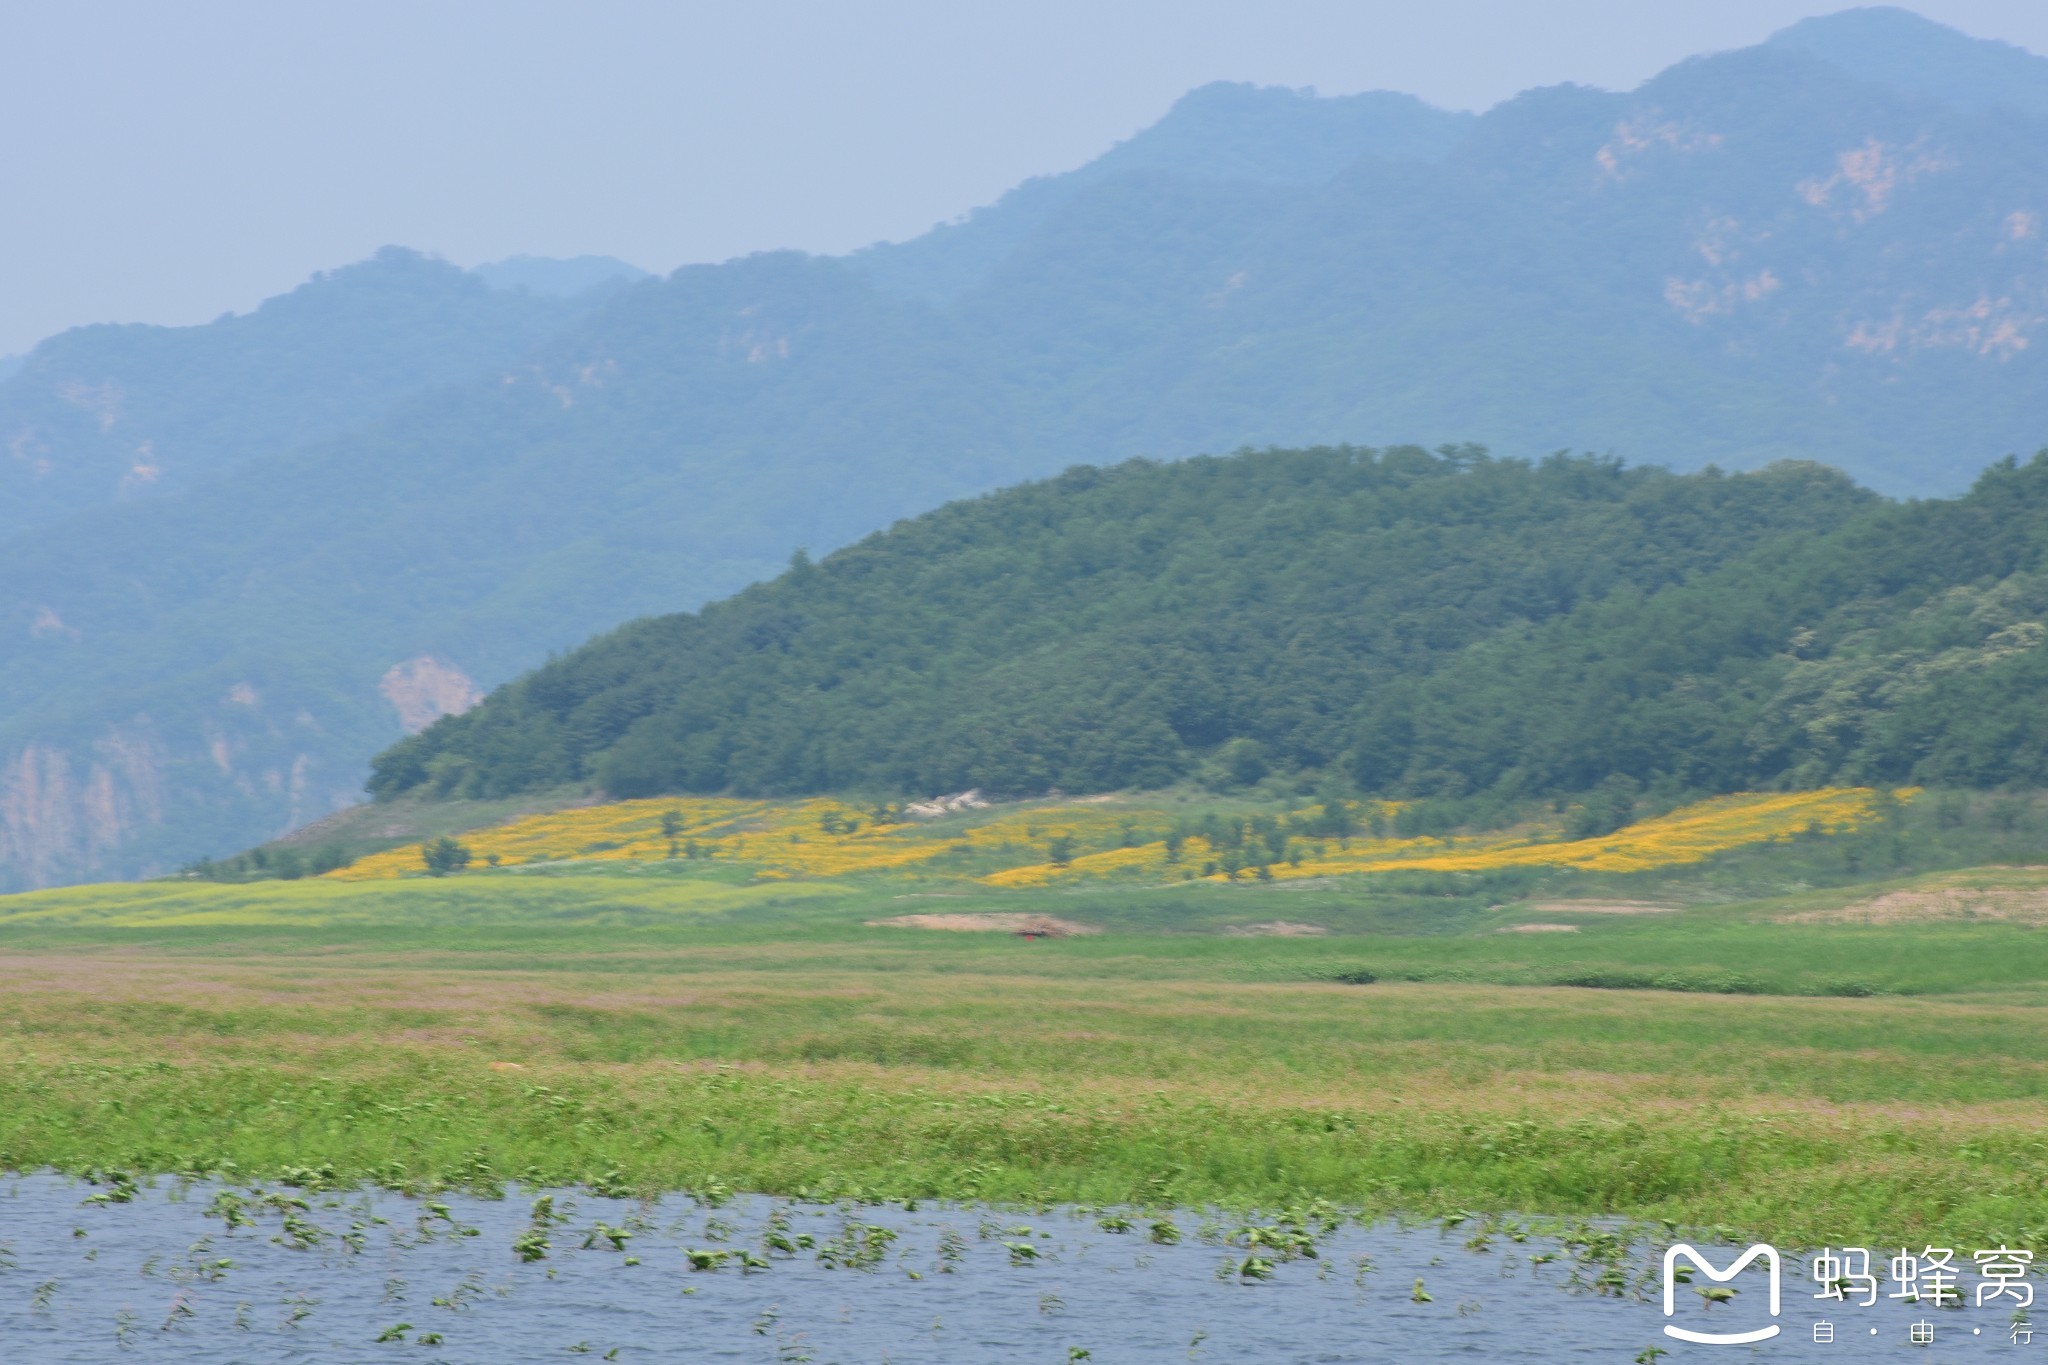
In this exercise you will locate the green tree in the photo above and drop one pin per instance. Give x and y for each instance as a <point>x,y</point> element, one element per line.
<point>1334,820</point>
<point>1605,809</point>
<point>444,855</point>
<point>329,858</point>
<point>1241,763</point>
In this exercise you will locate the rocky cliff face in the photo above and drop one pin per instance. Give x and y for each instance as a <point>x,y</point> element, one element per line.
<point>66,813</point>
<point>424,689</point>
<point>135,799</point>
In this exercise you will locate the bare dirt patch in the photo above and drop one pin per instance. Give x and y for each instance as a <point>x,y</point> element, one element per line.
<point>1539,929</point>
<point>1604,908</point>
<point>1941,904</point>
<point>1278,928</point>
<point>1041,926</point>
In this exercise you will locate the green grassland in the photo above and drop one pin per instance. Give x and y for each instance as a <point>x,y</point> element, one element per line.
<point>691,919</point>
<point>1759,1058</point>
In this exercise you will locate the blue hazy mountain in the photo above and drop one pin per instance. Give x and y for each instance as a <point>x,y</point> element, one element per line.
<point>558,277</point>
<point>1898,49</point>
<point>1232,133</point>
<point>108,413</point>
<point>1761,254</point>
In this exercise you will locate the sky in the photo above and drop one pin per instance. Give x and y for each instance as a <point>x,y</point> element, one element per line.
<point>170,162</point>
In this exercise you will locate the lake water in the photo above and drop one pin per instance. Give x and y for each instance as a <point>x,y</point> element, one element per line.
<point>198,1272</point>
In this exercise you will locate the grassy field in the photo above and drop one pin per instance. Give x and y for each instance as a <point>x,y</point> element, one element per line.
<point>1784,1037</point>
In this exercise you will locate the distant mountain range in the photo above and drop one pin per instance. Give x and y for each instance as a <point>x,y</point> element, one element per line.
<point>110,414</point>
<point>239,559</point>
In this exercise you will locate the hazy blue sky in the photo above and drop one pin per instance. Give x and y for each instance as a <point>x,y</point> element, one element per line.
<point>165,162</point>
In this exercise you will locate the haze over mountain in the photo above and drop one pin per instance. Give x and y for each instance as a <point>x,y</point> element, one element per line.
<point>574,277</point>
<point>111,413</point>
<point>1823,248</point>
<point>1897,48</point>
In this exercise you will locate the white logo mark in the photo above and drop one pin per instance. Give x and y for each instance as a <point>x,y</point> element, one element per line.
<point>1761,1251</point>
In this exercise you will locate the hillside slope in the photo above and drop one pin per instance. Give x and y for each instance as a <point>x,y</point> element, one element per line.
<point>1233,134</point>
<point>1109,628</point>
<point>1432,625</point>
<point>1895,47</point>
<point>1752,257</point>
<point>1758,255</point>
<point>213,667</point>
<point>109,413</point>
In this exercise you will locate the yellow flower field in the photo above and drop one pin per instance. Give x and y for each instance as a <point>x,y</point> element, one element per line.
<point>1689,835</point>
<point>818,837</point>
<point>1014,846</point>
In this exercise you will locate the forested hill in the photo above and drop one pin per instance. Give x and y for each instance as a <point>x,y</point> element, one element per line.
<point>1430,623</point>
<point>245,557</point>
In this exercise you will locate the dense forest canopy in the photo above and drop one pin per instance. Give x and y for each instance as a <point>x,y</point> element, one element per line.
<point>1428,623</point>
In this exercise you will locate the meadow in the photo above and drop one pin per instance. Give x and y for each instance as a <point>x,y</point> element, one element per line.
<point>1793,1035</point>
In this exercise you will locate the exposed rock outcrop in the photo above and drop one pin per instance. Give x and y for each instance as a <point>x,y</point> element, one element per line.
<point>424,689</point>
